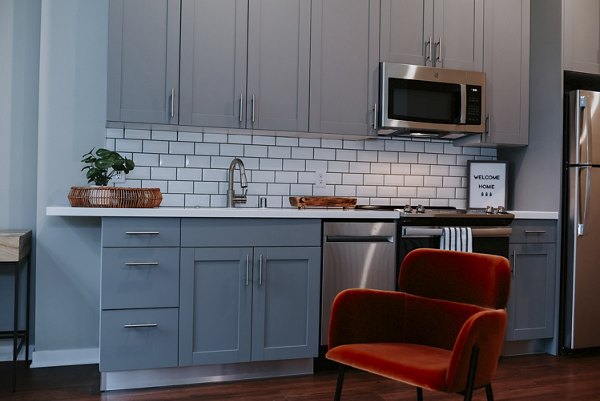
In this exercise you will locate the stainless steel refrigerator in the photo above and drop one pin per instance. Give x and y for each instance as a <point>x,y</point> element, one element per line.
<point>582,222</point>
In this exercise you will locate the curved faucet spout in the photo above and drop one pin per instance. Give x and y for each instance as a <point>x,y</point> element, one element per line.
<point>232,198</point>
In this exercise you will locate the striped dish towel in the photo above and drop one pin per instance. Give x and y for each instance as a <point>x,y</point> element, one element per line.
<point>457,239</point>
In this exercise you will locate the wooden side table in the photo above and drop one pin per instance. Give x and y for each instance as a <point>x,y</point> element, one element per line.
<point>15,248</point>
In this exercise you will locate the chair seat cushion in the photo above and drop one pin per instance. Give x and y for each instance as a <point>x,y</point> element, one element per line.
<point>414,364</point>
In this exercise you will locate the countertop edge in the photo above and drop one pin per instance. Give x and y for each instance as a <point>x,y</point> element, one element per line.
<point>241,212</point>
<point>530,214</point>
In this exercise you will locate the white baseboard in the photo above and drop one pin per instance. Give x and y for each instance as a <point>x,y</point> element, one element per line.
<point>81,356</point>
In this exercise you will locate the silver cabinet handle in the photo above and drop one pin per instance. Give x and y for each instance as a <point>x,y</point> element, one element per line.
<point>241,106</point>
<point>438,52</point>
<point>535,231</point>
<point>428,53</point>
<point>141,264</point>
<point>260,267</point>
<point>140,325</point>
<point>172,113</point>
<point>253,101</point>
<point>514,269</point>
<point>375,116</point>
<point>142,232</point>
<point>247,282</point>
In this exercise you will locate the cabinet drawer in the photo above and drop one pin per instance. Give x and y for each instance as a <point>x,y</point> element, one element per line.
<point>140,278</point>
<point>203,232</point>
<point>140,232</point>
<point>533,231</point>
<point>138,339</point>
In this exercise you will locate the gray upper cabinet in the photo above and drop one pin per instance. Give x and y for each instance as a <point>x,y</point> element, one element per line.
<point>344,79</point>
<point>582,36</point>
<point>437,33</point>
<point>506,64</point>
<point>245,63</point>
<point>143,61</point>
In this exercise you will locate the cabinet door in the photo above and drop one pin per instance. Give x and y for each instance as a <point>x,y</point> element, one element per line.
<point>285,309</point>
<point>582,36</point>
<point>531,302</point>
<point>344,75</point>
<point>506,64</point>
<point>215,305</point>
<point>403,36</point>
<point>143,61</point>
<point>278,64</point>
<point>213,62</point>
<point>458,34</point>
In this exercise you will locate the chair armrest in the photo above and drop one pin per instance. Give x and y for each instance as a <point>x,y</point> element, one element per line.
<point>485,329</point>
<point>366,316</point>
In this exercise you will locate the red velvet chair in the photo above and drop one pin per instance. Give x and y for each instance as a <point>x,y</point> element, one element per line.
<point>443,330</point>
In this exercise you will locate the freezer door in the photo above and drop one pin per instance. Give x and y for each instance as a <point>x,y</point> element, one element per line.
<point>583,314</point>
<point>584,127</point>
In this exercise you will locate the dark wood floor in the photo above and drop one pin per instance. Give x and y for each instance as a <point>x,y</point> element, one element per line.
<point>539,377</point>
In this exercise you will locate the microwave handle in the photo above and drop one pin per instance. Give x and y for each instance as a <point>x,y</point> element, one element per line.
<point>375,117</point>
<point>463,104</point>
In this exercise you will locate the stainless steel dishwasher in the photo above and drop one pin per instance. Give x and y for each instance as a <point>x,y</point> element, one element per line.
<point>356,254</point>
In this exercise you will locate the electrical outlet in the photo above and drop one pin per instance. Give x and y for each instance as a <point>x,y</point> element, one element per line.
<point>118,177</point>
<point>320,179</point>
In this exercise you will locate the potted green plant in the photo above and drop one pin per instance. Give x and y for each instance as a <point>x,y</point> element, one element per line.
<point>103,164</point>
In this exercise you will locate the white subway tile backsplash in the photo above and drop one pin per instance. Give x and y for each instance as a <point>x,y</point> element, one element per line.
<point>166,135</point>
<point>191,168</point>
<point>172,161</point>
<point>109,144</point>
<point>189,137</point>
<point>128,145</point>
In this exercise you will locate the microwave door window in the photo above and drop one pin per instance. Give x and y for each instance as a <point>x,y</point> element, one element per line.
<point>423,101</point>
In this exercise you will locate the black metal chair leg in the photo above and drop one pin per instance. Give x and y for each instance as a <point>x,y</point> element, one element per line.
<point>488,392</point>
<point>340,383</point>
<point>419,394</point>
<point>472,370</point>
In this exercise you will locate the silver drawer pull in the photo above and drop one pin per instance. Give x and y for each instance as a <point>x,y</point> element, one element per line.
<point>140,325</point>
<point>142,232</point>
<point>141,264</point>
<point>535,231</point>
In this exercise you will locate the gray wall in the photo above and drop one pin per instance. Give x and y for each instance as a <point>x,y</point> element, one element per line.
<point>19,62</point>
<point>536,169</point>
<point>72,117</point>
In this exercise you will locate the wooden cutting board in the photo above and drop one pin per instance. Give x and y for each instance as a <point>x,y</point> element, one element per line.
<point>302,202</point>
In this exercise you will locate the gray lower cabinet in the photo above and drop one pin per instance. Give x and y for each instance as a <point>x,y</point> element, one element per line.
<point>143,61</point>
<point>436,33</point>
<point>139,317</point>
<point>249,303</point>
<point>532,296</point>
<point>581,36</point>
<point>344,71</point>
<point>245,63</point>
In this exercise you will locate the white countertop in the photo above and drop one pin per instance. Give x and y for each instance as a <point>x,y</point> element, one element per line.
<point>524,214</point>
<point>250,212</point>
<point>237,212</point>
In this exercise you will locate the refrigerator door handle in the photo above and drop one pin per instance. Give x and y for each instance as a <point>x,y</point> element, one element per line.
<point>585,137</point>
<point>584,208</point>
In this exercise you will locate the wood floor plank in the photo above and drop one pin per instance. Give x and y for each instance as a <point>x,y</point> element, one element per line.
<point>526,378</point>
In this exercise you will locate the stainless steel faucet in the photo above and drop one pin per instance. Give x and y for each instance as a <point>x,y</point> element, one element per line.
<point>232,198</point>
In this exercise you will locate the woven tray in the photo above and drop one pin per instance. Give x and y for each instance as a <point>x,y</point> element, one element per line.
<point>118,197</point>
<point>302,202</point>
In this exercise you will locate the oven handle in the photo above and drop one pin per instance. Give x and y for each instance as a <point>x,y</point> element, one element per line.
<point>424,232</point>
<point>359,238</point>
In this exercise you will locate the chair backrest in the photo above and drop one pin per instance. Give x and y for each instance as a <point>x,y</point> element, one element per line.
<point>473,278</point>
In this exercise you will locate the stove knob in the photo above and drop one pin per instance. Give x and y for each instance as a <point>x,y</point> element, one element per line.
<point>489,210</point>
<point>407,209</point>
<point>420,209</point>
<point>501,210</point>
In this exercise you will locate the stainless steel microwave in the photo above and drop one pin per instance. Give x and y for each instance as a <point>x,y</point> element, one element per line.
<point>432,102</point>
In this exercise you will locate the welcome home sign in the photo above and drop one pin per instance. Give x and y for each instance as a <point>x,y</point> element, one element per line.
<point>486,184</point>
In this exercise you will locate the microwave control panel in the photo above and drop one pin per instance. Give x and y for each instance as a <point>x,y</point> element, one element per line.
<point>474,104</point>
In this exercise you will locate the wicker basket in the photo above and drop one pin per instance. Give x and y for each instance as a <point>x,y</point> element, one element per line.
<point>115,197</point>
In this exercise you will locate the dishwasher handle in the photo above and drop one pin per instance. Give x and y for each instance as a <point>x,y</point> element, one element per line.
<point>421,232</point>
<point>359,238</point>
